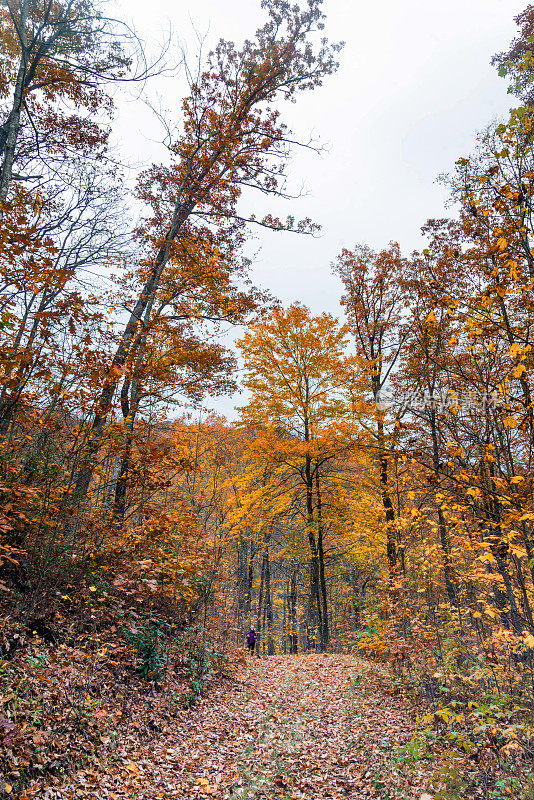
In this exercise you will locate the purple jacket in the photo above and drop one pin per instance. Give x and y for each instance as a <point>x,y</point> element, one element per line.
<point>251,637</point>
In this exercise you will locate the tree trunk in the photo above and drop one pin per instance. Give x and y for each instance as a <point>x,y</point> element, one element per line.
<point>142,308</point>
<point>250,581</point>
<point>443,533</point>
<point>12,125</point>
<point>320,554</point>
<point>315,621</point>
<point>260,597</point>
<point>242,551</point>
<point>285,617</point>
<point>505,600</point>
<point>391,543</point>
<point>269,607</point>
<point>129,405</point>
<point>293,629</point>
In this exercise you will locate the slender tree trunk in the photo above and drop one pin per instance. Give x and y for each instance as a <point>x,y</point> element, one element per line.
<point>505,600</point>
<point>524,594</point>
<point>285,618</point>
<point>129,405</point>
<point>443,533</point>
<point>12,126</point>
<point>242,551</point>
<point>9,401</point>
<point>320,554</point>
<point>260,597</point>
<point>445,552</point>
<point>250,582</point>
<point>269,607</point>
<point>510,602</point>
<point>315,617</point>
<point>315,623</point>
<point>389,511</point>
<point>293,629</point>
<point>528,547</point>
<point>128,339</point>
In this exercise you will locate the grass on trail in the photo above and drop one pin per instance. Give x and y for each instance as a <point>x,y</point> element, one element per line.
<point>306,726</point>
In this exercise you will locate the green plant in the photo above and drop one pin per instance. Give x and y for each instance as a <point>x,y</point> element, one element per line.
<point>528,788</point>
<point>412,751</point>
<point>199,658</point>
<point>356,681</point>
<point>35,718</point>
<point>453,784</point>
<point>508,786</point>
<point>379,782</point>
<point>152,647</point>
<point>37,660</point>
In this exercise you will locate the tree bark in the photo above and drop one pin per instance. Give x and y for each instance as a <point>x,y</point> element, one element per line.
<point>443,533</point>
<point>320,554</point>
<point>315,621</point>
<point>250,581</point>
<point>269,607</point>
<point>389,511</point>
<point>12,125</point>
<point>293,629</point>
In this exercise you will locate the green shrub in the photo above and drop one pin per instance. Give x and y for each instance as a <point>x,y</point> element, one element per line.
<point>152,644</point>
<point>200,659</point>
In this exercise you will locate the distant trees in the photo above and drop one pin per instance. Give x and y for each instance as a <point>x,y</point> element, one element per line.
<point>297,373</point>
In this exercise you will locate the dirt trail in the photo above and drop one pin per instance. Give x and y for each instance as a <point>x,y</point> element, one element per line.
<point>308,726</point>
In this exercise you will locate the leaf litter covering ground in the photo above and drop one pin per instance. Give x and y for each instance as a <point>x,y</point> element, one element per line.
<point>307,726</point>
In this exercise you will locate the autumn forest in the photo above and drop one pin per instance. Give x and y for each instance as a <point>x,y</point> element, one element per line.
<point>369,508</point>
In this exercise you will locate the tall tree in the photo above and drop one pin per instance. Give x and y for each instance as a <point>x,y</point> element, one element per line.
<point>375,299</point>
<point>232,138</point>
<point>64,51</point>
<point>295,368</point>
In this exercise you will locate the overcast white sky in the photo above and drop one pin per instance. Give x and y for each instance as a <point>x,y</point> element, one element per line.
<point>415,84</point>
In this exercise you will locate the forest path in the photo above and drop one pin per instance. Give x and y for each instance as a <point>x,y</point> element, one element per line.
<point>308,726</point>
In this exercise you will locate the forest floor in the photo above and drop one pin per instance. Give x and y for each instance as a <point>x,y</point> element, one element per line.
<point>306,726</point>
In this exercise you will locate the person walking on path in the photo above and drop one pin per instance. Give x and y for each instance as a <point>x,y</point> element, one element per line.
<point>251,640</point>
